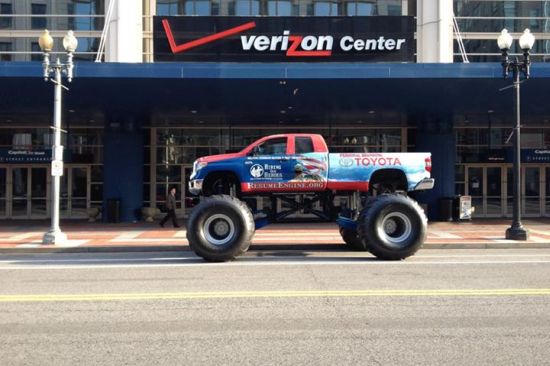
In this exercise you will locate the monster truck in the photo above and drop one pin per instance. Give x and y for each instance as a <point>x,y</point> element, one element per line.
<point>379,218</point>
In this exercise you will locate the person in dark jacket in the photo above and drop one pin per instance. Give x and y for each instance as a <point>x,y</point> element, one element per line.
<point>171,207</point>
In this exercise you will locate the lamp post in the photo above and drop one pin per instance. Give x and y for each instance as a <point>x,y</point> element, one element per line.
<point>55,235</point>
<point>516,231</point>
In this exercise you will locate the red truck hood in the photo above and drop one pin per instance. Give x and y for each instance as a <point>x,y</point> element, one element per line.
<point>219,157</point>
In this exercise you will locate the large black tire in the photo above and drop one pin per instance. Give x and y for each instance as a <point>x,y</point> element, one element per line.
<point>393,226</point>
<point>220,228</point>
<point>352,240</point>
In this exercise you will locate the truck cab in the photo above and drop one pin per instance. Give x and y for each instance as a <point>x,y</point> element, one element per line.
<point>302,163</point>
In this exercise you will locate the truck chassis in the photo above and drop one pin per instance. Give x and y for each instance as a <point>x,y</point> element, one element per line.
<point>391,226</point>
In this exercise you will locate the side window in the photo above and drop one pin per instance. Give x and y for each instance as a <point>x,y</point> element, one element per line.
<point>275,146</point>
<point>304,145</point>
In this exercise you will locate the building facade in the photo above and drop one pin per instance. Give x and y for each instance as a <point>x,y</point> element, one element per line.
<point>136,121</point>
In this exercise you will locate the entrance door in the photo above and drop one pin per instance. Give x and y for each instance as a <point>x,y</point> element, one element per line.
<point>29,192</point>
<point>492,190</point>
<point>3,191</point>
<point>75,191</point>
<point>532,186</point>
<point>487,186</point>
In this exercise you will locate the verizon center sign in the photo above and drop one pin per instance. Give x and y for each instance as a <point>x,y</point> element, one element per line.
<point>285,39</point>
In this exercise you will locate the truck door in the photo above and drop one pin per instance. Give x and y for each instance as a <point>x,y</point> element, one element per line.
<point>268,166</point>
<point>309,167</point>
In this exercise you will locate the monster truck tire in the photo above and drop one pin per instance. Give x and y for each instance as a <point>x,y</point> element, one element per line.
<point>352,240</point>
<point>393,226</point>
<point>220,228</point>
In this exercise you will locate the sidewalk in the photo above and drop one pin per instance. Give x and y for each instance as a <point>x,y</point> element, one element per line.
<point>26,236</point>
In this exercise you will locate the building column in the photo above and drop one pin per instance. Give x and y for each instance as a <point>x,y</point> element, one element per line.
<point>441,143</point>
<point>434,31</point>
<point>123,168</point>
<point>124,41</point>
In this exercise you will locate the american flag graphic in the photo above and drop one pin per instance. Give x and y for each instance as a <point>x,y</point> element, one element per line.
<point>312,165</point>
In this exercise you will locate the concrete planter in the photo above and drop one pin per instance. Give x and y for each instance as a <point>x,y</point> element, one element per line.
<point>93,213</point>
<point>149,213</point>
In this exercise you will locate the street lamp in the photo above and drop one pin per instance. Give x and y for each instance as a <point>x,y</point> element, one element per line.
<point>516,231</point>
<point>55,235</point>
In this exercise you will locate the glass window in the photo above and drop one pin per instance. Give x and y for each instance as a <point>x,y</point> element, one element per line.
<point>36,54</point>
<point>199,7</point>
<point>90,7</point>
<point>5,22</point>
<point>325,8</point>
<point>304,145</point>
<point>168,7</point>
<point>273,146</point>
<point>276,7</point>
<point>38,22</point>
<point>5,48</point>
<point>247,7</point>
<point>202,8</point>
<point>360,8</point>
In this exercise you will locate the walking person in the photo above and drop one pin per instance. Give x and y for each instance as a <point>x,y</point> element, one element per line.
<point>171,207</point>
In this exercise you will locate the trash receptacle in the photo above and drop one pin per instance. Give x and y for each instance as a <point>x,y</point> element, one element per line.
<point>445,209</point>
<point>113,210</point>
<point>462,208</point>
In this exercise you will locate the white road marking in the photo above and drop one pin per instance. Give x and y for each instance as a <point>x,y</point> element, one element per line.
<point>537,239</point>
<point>443,234</point>
<point>23,236</point>
<point>540,232</point>
<point>148,240</point>
<point>129,234</point>
<point>245,261</point>
<point>67,244</point>
<point>180,234</point>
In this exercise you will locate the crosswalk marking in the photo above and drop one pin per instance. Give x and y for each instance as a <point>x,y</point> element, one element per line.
<point>129,234</point>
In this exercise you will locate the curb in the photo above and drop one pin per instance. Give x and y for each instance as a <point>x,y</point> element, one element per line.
<point>275,247</point>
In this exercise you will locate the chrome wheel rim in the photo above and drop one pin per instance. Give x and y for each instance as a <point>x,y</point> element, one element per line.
<point>396,228</point>
<point>219,229</point>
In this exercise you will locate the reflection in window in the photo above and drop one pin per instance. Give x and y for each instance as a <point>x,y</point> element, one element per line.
<point>5,22</point>
<point>276,7</point>
<point>36,52</point>
<point>38,22</point>
<point>272,147</point>
<point>169,7</point>
<point>5,48</point>
<point>325,8</point>
<point>90,7</point>
<point>360,8</point>
<point>247,7</point>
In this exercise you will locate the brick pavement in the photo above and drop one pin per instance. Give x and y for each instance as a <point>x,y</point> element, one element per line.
<point>26,236</point>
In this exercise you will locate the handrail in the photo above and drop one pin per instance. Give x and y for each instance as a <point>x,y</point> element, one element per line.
<point>459,41</point>
<point>106,23</point>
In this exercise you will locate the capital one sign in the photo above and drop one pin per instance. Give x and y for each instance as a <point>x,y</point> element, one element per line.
<point>285,39</point>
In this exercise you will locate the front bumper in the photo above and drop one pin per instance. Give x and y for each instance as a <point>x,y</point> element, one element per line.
<point>195,186</point>
<point>426,183</point>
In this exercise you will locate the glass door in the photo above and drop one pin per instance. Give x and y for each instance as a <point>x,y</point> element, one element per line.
<point>532,202</point>
<point>20,188</point>
<point>3,191</point>
<point>487,187</point>
<point>79,193</point>
<point>29,192</point>
<point>75,191</point>
<point>39,192</point>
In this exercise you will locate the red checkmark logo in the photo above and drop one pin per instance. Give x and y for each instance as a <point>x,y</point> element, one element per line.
<point>204,40</point>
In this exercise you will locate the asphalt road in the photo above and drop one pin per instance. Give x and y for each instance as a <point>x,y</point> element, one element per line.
<point>453,307</point>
